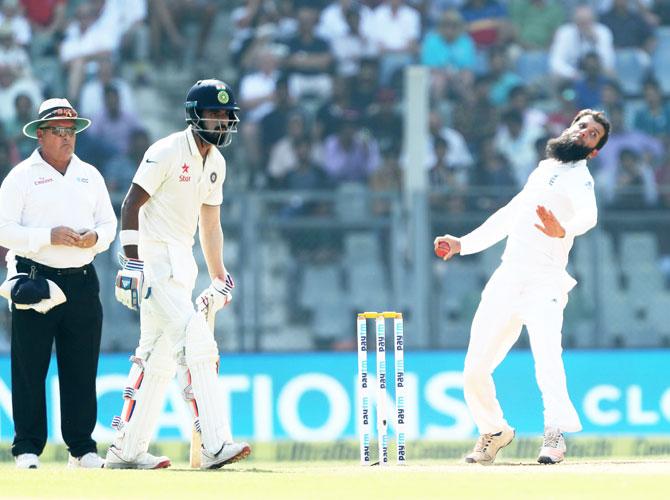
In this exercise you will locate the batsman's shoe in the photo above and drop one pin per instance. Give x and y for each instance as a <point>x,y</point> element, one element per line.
<point>488,446</point>
<point>27,461</point>
<point>145,460</point>
<point>553,448</point>
<point>89,461</point>
<point>230,453</point>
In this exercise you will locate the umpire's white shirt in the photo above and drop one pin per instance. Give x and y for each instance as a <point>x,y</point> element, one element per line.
<point>35,197</point>
<point>179,182</point>
<point>567,190</point>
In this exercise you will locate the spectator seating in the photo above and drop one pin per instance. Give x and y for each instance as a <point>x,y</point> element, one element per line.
<point>368,286</point>
<point>352,201</point>
<point>361,246</point>
<point>661,58</point>
<point>333,320</point>
<point>533,66</point>
<point>459,288</point>
<point>630,70</point>
<point>321,283</point>
<point>638,247</point>
<point>659,318</point>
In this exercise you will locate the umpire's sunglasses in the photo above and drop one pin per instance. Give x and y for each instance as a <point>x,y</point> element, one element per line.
<point>61,131</point>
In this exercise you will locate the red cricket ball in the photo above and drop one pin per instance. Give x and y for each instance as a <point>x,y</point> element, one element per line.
<point>442,249</point>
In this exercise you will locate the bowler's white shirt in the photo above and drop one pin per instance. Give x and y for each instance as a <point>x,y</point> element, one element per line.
<point>564,188</point>
<point>179,182</point>
<point>35,198</point>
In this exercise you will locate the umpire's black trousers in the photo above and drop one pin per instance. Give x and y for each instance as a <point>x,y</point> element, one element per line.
<point>76,327</point>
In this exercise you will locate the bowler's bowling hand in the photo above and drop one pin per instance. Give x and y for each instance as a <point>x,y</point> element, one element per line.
<point>550,225</point>
<point>446,246</point>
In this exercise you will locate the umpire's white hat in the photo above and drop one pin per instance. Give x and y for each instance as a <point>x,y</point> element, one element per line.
<point>55,109</point>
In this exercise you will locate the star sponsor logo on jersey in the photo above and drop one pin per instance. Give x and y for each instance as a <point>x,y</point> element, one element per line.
<point>588,185</point>
<point>83,180</point>
<point>43,180</point>
<point>185,177</point>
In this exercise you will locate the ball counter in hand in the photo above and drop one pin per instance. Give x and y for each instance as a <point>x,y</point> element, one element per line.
<point>442,249</point>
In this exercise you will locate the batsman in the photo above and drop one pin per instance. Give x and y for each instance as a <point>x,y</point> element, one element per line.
<point>177,189</point>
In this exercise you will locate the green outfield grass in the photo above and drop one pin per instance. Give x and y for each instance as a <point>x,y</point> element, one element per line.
<point>596,468</point>
<point>336,480</point>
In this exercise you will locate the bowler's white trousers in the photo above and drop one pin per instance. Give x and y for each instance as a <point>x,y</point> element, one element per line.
<point>514,297</point>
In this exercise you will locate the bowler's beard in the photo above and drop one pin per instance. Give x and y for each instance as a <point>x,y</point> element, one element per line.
<point>566,150</point>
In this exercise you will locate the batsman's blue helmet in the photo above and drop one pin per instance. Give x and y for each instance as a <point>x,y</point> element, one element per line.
<point>216,95</point>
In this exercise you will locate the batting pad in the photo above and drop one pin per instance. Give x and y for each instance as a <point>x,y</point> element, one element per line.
<point>184,379</point>
<point>202,355</point>
<point>144,397</point>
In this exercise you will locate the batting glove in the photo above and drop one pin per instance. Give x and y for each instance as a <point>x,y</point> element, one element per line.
<point>130,289</point>
<point>215,297</point>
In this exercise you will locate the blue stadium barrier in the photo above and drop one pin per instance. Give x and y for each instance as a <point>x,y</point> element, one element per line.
<point>310,397</point>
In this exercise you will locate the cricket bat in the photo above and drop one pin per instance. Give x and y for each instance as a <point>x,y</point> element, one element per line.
<point>196,445</point>
<point>195,457</point>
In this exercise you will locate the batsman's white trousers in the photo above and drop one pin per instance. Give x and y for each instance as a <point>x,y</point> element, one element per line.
<point>165,314</point>
<point>171,273</point>
<point>514,297</point>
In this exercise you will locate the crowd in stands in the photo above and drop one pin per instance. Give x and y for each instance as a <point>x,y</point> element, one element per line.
<point>96,53</point>
<point>504,77</point>
<point>320,84</point>
<point>334,71</point>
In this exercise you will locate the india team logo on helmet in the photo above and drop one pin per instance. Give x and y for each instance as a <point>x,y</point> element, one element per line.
<point>223,97</point>
<point>212,95</point>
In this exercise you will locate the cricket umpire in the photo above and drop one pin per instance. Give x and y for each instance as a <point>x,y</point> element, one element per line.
<point>55,216</point>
